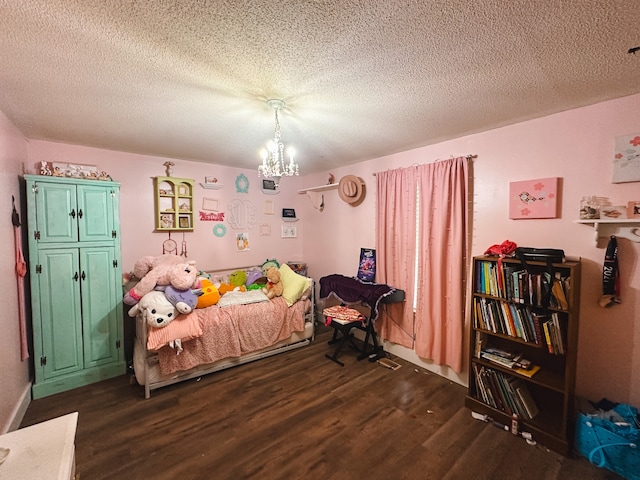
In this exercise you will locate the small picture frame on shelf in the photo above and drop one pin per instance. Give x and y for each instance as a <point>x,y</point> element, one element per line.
<point>184,222</point>
<point>166,220</point>
<point>633,209</point>
<point>289,215</point>
<point>613,212</point>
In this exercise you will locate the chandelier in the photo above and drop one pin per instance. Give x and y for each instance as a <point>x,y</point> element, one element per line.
<point>274,164</point>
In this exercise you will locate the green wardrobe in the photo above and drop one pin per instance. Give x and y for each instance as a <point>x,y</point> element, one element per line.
<point>76,281</point>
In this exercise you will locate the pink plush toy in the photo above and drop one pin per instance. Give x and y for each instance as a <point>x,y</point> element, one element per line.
<point>145,264</point>
<point>181,276</point>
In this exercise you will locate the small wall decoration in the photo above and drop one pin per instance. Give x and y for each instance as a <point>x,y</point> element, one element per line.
<point>534,198</point>
<point>269,208</point>
<point>633,209</point>
<point>210,204</point>
<point>367,265</point>
<point>613,211</point>
<point>289,231</point>
<point>184,222</point>
<point>241,214</point>
<point>242,242</point>
<point>269,187</point>
<point>289,215</point>
<point>626,159</point>
<point>265,229</point>
<point>242,184</point>
<point>219,230</point>
<point>211,216</point>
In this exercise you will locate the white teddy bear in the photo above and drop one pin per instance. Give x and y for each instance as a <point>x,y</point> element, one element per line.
<point>158,311</point>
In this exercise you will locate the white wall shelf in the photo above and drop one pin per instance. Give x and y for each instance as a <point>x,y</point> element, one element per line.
<point>318,200</point>
<point>321,188</point>
<point>211,186</point>
<point>628,228</point>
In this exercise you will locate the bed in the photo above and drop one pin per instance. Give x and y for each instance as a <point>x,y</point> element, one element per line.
<point>220,337</point>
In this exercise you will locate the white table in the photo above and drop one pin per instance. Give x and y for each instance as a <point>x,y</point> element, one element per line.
<point>43,451</point>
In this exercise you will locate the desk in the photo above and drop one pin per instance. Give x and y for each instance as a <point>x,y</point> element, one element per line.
<point>45,451</point>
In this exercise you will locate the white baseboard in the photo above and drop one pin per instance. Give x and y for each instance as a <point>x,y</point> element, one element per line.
<point>20,410</point>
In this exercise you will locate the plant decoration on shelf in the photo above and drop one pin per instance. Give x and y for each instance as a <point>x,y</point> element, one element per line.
<point>274,164</point>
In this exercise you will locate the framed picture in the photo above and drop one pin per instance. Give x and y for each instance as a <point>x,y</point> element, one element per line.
<point>269,208</point>
<point>210,204</point>
<point>613,212</point>
<point>626,159</point>
<point>289,231</point>
<point>534,198</point>
<point>633,209</point>
<point>288,214</point>
<point>184,222</point>
<point>268,184</point>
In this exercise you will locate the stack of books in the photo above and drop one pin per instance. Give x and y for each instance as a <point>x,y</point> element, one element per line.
<point>504,392</point>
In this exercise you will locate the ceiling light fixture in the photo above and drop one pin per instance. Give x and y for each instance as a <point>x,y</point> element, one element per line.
<point>273,161</point>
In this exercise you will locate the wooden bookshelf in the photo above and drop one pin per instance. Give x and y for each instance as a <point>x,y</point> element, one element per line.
<point>508,315</point>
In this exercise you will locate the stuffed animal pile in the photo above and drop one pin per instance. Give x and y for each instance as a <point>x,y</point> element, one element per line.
<point>161,271</point>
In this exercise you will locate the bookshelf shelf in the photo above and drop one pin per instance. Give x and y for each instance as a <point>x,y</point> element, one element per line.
<point>513,316</point>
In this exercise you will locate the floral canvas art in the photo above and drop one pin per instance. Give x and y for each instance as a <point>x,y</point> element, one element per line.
<point>626,159</point>
<point>533,198</point>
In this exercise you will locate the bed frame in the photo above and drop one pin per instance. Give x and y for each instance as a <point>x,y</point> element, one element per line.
<point>148,362</point>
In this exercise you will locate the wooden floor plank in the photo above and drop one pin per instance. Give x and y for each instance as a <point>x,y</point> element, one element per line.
<point>293,416</point>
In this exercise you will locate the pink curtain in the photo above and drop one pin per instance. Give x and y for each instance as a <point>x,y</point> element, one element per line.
<point>442,195</point>
<point>396,245</point>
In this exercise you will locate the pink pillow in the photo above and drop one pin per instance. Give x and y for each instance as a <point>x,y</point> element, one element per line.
<point>184,327</point>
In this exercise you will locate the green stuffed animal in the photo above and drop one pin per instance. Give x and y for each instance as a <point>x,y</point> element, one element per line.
<point>238,278</point>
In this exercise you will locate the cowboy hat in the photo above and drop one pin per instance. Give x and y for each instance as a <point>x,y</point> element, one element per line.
<point>351,189</point>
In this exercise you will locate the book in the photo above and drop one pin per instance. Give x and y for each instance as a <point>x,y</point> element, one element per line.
<point>367,265</point>
<point>527,372</point>
<point>530,409</point>
<point>498,360</point>
<point>558,293</point>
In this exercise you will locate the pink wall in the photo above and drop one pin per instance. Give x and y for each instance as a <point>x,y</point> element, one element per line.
<point>14,374</point>
<point>135,173</point>
<point>576,146</point>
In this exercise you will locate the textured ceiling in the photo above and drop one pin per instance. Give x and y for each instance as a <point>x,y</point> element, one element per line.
<point>361,78</point>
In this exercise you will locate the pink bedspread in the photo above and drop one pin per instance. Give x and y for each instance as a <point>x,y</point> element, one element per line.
<point>235,330</point>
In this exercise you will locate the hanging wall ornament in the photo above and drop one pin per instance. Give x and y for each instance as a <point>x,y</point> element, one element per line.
<point>242,184</point>
<point>169,246</point>
<point>219,230</point>
<point>183,253</point>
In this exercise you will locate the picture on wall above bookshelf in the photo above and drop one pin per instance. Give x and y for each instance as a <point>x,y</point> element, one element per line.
<point>524,345</point>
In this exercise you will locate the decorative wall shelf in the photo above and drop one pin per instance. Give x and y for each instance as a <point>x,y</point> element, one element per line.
<point>628,228</point>
<point>211,186</point>
<point>321,188</point>
<point>312,193</point>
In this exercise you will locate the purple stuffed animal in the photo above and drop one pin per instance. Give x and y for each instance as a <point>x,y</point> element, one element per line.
<point>184,300</point>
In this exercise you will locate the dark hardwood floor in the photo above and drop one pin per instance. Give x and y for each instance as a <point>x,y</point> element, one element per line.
<point>297,415</point>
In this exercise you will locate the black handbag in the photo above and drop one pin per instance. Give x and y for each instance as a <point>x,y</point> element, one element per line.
<point>546,255</point>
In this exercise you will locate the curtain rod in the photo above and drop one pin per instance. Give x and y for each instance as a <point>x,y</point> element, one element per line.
<point>470,156</point>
